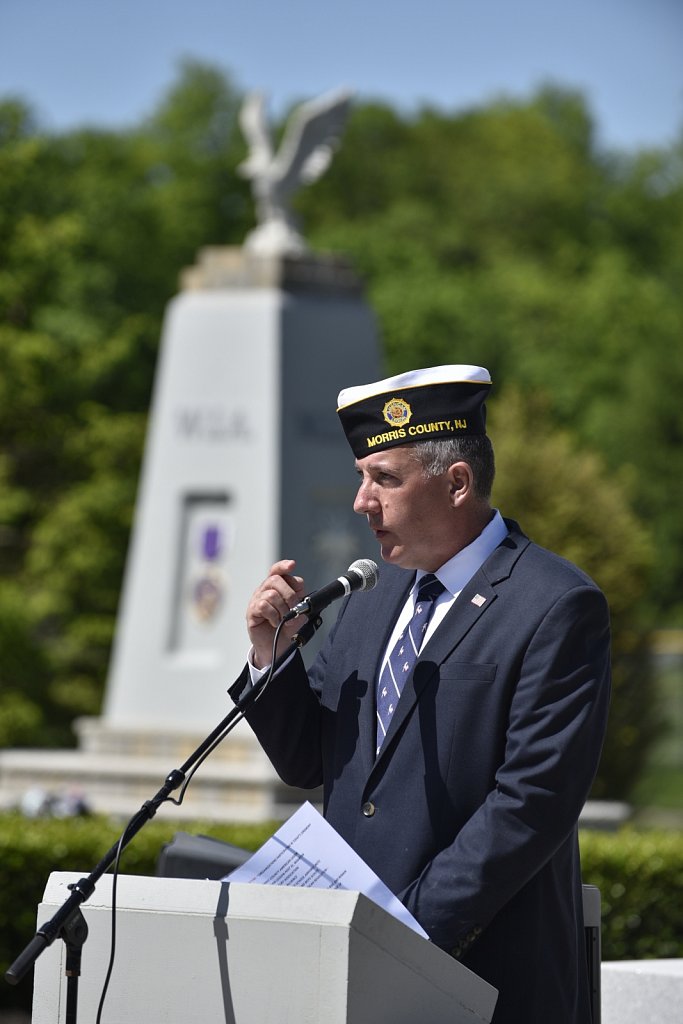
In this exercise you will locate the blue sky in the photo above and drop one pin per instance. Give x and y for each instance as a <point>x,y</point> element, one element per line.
<point>108,63</point>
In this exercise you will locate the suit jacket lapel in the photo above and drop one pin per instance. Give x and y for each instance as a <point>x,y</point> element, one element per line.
<point>473,601</point>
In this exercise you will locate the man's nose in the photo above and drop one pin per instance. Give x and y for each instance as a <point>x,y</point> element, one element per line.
<point>364,502</point>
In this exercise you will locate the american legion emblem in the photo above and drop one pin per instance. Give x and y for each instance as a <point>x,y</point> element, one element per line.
<point>397,412</point>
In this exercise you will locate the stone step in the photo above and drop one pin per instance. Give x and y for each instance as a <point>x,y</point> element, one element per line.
<point>115,771</point>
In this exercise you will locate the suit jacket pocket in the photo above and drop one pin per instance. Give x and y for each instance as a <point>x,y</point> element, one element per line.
<point>465,671</point>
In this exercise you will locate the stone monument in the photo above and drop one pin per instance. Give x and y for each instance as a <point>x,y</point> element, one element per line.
<point>244,463</point>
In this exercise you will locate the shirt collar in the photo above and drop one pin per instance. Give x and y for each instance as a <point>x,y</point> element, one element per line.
<point>460,569</point>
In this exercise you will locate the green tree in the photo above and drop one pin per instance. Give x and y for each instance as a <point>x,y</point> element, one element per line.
<point>504,237</point>
<point>24,674</point>
<point>566,501</point>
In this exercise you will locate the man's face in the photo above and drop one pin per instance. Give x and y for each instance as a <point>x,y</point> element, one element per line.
<point>411,514</point>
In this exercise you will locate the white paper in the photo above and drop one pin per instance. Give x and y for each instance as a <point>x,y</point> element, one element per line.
<point>306,851</point>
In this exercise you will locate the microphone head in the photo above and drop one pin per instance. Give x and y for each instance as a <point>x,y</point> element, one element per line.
<point>368,572</point>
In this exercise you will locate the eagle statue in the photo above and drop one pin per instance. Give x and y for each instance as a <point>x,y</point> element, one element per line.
<point>311,136</point>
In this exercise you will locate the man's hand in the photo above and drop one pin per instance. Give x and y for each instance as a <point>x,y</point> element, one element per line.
<point>269,603</point>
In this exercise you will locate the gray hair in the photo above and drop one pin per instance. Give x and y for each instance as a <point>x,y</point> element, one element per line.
<point>476,450</point>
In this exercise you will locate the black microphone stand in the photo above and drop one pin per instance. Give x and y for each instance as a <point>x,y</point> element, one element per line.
<point>68,923</point>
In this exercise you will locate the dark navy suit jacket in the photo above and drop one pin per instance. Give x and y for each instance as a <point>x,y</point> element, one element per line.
<point>469,813</point>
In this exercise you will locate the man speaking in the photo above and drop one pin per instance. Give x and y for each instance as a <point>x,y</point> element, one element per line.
<point>456,713</point>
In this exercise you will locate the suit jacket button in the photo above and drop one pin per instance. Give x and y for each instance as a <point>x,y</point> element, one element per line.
<point>368,809</point>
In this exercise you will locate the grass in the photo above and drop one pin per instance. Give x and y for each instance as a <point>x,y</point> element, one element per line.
<point>660,786</point>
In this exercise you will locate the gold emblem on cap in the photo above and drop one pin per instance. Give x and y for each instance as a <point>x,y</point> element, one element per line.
<point>397,412</point>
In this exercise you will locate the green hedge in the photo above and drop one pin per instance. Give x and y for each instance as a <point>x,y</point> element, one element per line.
<point>640,876</point>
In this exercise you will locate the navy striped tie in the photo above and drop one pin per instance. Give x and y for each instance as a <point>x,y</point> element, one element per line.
<point>402,659</point>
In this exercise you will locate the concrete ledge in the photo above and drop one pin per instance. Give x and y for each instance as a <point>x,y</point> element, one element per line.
<point>606,815</point>
<point>235,267</point>
<point>638,991</point>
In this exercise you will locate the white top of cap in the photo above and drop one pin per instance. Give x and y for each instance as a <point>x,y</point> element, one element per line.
<point>414,379</point>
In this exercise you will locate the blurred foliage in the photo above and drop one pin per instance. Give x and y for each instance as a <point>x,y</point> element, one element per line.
<point>640,876</point>
<point>499,236</point>
<point>503,237</point>
<point>566,502</point>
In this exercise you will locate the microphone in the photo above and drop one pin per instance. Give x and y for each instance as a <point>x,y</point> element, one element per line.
<point>361,575</point>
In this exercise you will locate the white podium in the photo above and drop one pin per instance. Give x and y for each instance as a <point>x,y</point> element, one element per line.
<point>190,950</point>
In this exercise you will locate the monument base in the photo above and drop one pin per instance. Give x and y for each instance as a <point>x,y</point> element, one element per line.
<point>116,768</point>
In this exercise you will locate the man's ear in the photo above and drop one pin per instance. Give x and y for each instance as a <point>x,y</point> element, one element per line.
<point>460,482</point>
